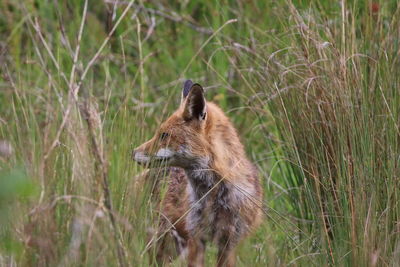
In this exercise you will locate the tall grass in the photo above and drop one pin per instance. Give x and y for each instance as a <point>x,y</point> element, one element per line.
<point>333,93</point>
<point>312,87</point>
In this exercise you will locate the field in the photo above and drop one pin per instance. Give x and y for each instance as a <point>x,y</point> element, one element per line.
<point>313,88</point>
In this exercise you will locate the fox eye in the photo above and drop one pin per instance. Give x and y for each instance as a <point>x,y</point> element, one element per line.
<point>164,135</point>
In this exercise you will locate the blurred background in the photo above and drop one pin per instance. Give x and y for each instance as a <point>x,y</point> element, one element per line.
<point>312,87</point>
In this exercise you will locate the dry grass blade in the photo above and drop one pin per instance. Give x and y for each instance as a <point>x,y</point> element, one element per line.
<point>93,121</point>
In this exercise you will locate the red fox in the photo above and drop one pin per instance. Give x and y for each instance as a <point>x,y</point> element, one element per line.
<point>214,193</point>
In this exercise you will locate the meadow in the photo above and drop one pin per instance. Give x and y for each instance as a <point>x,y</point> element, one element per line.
<point>313,88</point>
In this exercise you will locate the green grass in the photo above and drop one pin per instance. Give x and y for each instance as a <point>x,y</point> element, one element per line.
<point>312,87</point>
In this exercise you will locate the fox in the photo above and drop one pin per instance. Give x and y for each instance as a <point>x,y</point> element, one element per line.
<point>214,192</point>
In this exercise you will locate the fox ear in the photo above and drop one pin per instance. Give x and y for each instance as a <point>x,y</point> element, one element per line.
<point>195,105</point>
<point>186,89</point>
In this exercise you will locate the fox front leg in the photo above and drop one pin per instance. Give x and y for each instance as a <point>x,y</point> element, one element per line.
<point>196,252</point>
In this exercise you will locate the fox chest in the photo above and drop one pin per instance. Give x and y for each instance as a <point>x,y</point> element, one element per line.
<point>214,212</point>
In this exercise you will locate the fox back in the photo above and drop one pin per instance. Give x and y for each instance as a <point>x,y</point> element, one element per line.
<point>214,192</point>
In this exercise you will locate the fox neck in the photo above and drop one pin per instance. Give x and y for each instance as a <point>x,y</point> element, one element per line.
<point>201,179</point>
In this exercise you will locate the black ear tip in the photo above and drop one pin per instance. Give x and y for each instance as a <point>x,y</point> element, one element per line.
<point>198,86</point>
<point>186,87</point>
<point>187,83</point>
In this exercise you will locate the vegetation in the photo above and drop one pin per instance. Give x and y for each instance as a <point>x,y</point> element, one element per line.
<point>312,86</point>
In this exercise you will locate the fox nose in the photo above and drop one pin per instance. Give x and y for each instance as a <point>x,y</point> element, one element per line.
<point>136,155</point>
<point>133,154</point>
<point>140,157</point>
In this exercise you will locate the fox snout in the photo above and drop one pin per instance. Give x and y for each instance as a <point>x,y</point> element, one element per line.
<point>141,156</point>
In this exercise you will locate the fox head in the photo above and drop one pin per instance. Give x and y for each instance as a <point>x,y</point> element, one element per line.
<point>181,140</point>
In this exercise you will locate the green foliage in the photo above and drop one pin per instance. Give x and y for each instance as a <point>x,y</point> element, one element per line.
<point>14,182</point>
<point>15,186</point>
